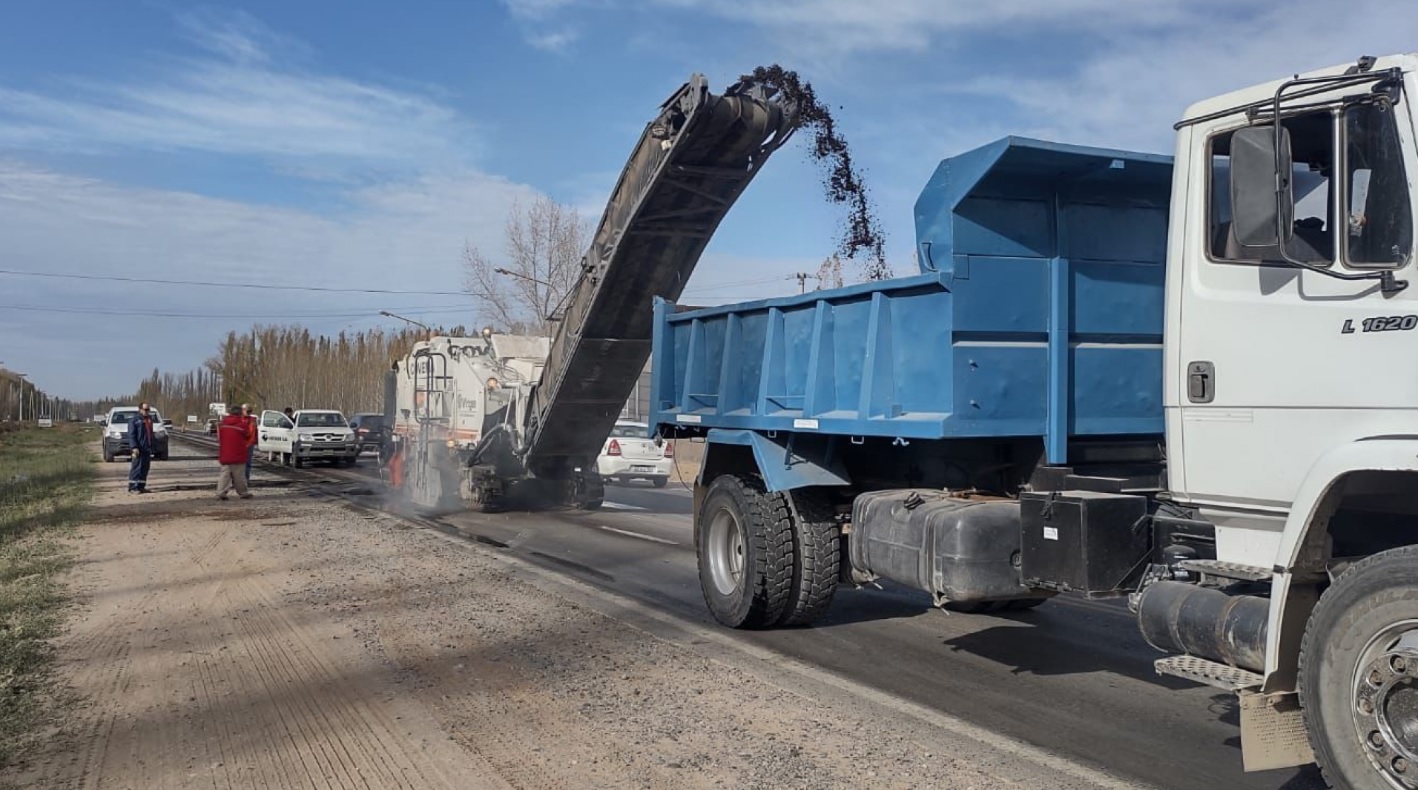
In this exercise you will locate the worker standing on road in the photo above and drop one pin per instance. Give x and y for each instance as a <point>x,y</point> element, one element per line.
<point>233,452</point>
<point>250,438</point>
<point>140,439</point>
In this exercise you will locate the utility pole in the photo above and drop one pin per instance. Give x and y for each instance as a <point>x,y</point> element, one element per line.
<point>802,281</point>
<point>21,377</point>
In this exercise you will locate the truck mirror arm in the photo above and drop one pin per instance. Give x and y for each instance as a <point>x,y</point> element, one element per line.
<point>1383,90</point>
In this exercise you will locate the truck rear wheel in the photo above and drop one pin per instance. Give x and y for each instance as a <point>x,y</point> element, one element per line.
<point>1359,674</point>
<point>744,541</point>
<point>817,558</point>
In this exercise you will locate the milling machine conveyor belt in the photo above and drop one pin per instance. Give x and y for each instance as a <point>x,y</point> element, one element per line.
<point>691,164</point>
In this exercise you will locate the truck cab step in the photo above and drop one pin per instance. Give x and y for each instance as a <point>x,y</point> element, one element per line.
<point>1210,673</point>
<point>1227,570</point>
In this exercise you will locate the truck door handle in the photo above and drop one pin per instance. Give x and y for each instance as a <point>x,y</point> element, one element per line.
<point>1201,382</point>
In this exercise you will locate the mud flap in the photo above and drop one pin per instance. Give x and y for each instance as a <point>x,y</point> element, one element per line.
<point>1272,732</point>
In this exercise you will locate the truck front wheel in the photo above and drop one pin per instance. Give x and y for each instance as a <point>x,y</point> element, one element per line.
<point>1359,674</point>
<point>744,541</point>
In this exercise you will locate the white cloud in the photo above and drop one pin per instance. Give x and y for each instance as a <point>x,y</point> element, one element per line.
<point>401,236</point>
<point>241,103</point>
<point>236,35</point>
<point>1131,90</point>
<point>538,9</point>
<point>555,41</point>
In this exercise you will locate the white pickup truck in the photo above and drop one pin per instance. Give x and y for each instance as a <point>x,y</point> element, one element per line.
<point>308,435</point>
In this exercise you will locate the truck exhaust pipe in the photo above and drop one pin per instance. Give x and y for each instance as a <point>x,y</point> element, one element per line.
<point>1200,621</point>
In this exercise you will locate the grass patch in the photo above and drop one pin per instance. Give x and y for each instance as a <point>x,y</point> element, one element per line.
<point>46,480</point>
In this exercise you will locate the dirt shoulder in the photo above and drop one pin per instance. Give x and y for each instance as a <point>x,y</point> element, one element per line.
<point>296,641</point>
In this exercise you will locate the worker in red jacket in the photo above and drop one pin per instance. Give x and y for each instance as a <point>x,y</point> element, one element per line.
<point>233,443</point>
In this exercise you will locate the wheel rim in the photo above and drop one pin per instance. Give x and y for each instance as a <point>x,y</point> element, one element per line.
<point>725,550</point>
<point>1385,703</point>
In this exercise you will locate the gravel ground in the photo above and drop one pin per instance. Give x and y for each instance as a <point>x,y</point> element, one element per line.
<point>297,640</point>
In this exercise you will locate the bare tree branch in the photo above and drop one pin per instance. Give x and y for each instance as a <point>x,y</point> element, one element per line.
<point>545,242</point>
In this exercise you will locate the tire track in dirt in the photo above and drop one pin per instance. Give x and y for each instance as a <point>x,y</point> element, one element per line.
<point>102,660</point>
<point>501,713</point>
<point>317,708</point>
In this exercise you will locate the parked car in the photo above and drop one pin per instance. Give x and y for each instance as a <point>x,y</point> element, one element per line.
<point>369,430</point>
<point>115,433</point>
<point>308,435</point>
<point>212,427</point>
<point>629,455</point>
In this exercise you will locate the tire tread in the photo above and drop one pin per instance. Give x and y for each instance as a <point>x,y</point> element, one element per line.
<point>1334,606</point>
<point>817,557</point>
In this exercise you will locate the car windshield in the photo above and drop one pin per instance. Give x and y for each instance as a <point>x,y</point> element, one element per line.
<point>320,419</point>
<point>629,431</point>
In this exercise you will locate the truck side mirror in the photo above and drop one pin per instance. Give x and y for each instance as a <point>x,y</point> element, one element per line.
<point>1262,198</point>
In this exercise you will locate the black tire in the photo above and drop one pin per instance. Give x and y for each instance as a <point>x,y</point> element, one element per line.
<point>1346,633</point>
<point>161,456</point>
<point>660,482</point>
<point>817,558</point>
<point>107,456</point>
<point>594,504</point>
<point>297,461</point>
<point>759,595</point>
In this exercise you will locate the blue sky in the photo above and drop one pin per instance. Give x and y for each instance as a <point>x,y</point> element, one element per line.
<point>361,144</point>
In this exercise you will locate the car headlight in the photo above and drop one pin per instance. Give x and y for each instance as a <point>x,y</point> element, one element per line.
<point>307,437</point>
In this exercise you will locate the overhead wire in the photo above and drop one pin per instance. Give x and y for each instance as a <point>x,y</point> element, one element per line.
<point>170,314</point>
<point>210,284</point>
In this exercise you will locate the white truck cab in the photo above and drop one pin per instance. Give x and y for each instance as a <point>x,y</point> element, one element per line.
<point>1291,394</point>
<point>308,435</point>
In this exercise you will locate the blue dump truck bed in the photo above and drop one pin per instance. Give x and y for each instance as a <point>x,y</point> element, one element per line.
<point>1038,312</point>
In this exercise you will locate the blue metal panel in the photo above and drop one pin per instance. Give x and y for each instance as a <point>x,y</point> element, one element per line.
<point>1038,313</point>
<point>784,466</point>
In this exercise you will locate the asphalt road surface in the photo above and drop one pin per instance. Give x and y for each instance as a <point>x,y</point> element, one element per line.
<point>1072,676</point>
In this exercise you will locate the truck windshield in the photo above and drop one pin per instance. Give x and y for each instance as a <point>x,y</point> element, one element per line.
<point>328,419</point>
<point>1379,217</point>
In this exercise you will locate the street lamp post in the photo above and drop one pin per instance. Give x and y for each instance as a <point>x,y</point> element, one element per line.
<point>21,377</point>
<point>553,316</point>
<point>407,320</point>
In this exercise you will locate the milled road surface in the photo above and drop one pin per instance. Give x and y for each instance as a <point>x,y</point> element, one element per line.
<point>1073,676</point>
<point>303,640</point>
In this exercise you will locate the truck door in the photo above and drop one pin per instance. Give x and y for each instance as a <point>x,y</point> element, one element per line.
<point>1274,363</point>
<point>276,433</point>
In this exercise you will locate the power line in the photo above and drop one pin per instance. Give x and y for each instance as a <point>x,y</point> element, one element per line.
<point>163,314</point>
<point>760,281</point>
<point>206,284</point>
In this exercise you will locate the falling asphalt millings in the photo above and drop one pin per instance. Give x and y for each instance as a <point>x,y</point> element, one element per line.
<point>842,179</point>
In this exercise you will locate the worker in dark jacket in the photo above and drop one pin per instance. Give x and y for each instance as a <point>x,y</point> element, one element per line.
<point>233,439</point>
<point>140,440</point>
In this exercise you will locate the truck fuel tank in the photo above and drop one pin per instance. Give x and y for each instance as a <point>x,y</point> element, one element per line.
<point>956,549</point>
